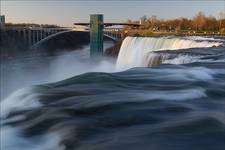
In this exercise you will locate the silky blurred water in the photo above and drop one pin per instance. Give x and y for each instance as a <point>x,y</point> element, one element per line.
<point>177,105</point>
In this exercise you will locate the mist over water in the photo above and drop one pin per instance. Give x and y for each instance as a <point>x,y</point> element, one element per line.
<point>22,72</point>
<point>177,104</point>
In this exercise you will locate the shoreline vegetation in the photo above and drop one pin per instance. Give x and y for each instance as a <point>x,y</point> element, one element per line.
<point>200,24</point>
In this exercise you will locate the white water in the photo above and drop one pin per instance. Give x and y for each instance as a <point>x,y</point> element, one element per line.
<point>21,99</point>
<point>136,51</point>
<point>12,140</point>
<point>20,75</point>
<point>201,38</point>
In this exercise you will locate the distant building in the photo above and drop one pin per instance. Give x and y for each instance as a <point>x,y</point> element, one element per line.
<point>2,22</point>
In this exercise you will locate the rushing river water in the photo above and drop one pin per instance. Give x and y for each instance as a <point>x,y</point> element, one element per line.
<point>162,93</point>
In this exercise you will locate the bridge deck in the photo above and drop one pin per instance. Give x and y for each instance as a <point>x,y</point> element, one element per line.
<point>111,24</point>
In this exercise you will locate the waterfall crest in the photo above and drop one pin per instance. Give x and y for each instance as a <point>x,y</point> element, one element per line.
<point>139,51</point>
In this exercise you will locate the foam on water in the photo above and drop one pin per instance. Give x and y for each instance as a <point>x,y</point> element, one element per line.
<point>182,59</point>
<point>186,73</point>
<point>201,38</point>
<point>21,99</point>
<point>11,139</point>
<point>177,95</point>
<point>136,51</point>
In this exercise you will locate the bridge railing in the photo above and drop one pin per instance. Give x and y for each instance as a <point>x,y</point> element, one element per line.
<point>114,33</point>
<point>28,36</point>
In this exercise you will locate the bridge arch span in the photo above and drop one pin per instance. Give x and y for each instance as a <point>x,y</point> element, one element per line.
<point>49,37</point>
<point>74,37</point>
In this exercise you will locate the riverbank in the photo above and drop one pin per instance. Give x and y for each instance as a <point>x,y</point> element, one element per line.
<point>169,33</point>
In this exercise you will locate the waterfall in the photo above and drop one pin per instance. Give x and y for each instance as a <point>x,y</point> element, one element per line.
<point>140,51</point>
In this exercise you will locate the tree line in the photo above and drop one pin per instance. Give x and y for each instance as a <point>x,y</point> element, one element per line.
<point>199,23</point>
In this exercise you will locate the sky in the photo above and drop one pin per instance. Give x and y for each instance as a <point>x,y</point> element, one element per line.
<point>65,13</point>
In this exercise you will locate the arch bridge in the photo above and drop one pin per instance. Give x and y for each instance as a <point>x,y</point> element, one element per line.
<point>29,36</point>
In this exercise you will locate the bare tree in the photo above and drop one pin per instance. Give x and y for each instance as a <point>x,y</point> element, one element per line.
<point>199,20</point>
<point>221,16</point>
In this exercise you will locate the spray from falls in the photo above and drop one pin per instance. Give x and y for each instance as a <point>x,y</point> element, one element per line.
<point>142,51</point>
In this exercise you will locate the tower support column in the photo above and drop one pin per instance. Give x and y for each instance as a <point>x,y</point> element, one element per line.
<point>96,35</point>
